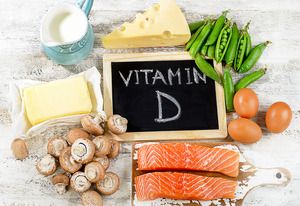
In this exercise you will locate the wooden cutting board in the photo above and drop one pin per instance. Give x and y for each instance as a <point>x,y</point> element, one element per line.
<point>249,177</point>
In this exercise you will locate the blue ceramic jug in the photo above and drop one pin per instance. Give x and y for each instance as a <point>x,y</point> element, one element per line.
<point>66,35</point>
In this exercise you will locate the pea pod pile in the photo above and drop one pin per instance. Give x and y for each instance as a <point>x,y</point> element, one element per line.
<point>221,40</point>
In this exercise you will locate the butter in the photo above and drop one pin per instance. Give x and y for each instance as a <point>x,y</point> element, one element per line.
<point>57,99</point>
<point>161,25</point>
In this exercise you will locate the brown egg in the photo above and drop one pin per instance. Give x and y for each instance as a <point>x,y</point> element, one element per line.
<point>246,103</point>
<point>278,117</point>
<point>244,131</point>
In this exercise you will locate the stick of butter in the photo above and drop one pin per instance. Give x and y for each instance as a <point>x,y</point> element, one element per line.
<point>57,99</point>
<point>161,25</point>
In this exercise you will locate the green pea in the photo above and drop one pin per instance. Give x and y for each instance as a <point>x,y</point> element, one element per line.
<point>228,30</point>
<point>223,43</point>
<point>242,41</point>
<point>224,36</point>
<point>221,47</point>
<point>225,32</point>
<point>223,40</point>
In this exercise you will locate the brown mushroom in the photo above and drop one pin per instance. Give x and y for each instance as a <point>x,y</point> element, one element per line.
<point>19,149</point>
<point>83,150</point>
<point>94,171</point>
<point>109,184</point>
<point>103,160</point>
<point>67,162</point>
<point>117,124</point>
<point>56,146</point>
<point>91,198</point>
<point>60,182</point>
<point>102,145</point>
<point>93,124</point>
<point>47,165</point>
<point>76,133</point>
<point>79,182</point>
<point>115,147</point>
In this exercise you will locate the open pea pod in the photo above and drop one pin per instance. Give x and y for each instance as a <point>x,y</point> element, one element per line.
<point>223,41</point>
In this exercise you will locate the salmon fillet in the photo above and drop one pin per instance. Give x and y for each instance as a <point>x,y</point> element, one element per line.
<point>184,156</point>
<point>182,186</point>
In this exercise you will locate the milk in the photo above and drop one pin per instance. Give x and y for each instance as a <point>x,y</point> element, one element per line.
<point>67,27</point>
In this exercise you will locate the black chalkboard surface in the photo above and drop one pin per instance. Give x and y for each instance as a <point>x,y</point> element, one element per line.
<point>160,96</point>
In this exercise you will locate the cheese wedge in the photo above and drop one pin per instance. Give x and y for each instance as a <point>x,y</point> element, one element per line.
<point>57,99</point>
<point>161,25</point>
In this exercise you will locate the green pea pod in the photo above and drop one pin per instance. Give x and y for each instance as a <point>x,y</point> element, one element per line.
<point>223,42</point>
<point>231,50</point>
<point>247,80</point>
<point>203,50</point>
<point>200,39</point>
<point>211,51</point>
<point>248,46</point>
<point>240,52</point>
<point>248,40</point>
<point>218,27</point>
<point>253,57</point>
<point>228,89</point>
<point>194,37</point>
<point>196,25</point>
<point>207,69</point>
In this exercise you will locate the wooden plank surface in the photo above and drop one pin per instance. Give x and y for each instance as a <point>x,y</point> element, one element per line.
<point>22,57</point>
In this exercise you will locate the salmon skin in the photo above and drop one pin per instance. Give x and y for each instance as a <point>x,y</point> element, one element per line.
<point>184,156</point>
<point>182,186</point>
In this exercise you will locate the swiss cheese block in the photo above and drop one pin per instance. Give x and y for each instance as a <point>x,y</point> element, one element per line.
<point>161,25</point>
<point>57,99</point>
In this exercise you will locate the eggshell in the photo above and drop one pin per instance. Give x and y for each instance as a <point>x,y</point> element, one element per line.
<point>244,131</point>
<point>278,117</point>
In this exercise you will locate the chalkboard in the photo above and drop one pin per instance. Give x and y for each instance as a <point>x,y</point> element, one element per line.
<point>164,96</point>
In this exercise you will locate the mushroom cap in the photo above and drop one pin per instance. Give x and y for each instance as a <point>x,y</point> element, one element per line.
<point>115,147</point>
<point>47,165</point>
<point>67,162</point>
<point>93,124</point>
<point>79,182</point>
<point>94,171</point>
<point>109,184</point>
<point>18,148</point>
<point>83,150</point>
<point>103,160</point>
<point>117,124</point>
<point>56,146</point>
<point>102,145</point>
<point>77,133</point>
<point>91,198</point>
<point>61,179</point>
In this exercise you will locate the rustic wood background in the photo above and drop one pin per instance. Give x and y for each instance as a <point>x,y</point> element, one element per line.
<point>22,57</point>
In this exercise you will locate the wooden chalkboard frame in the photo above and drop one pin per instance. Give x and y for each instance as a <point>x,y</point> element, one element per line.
<point>220,133</point>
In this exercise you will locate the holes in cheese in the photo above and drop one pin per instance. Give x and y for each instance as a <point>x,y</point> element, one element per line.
<point>163,24</point>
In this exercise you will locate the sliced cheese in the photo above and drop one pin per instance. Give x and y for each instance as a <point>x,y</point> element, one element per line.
<point>57,99</point>
<point>161,25</point>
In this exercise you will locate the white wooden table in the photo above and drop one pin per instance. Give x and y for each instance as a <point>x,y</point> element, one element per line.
<point>22,57</point>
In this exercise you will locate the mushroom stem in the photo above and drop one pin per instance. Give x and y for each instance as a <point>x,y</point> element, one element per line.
<point>60,188</point>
